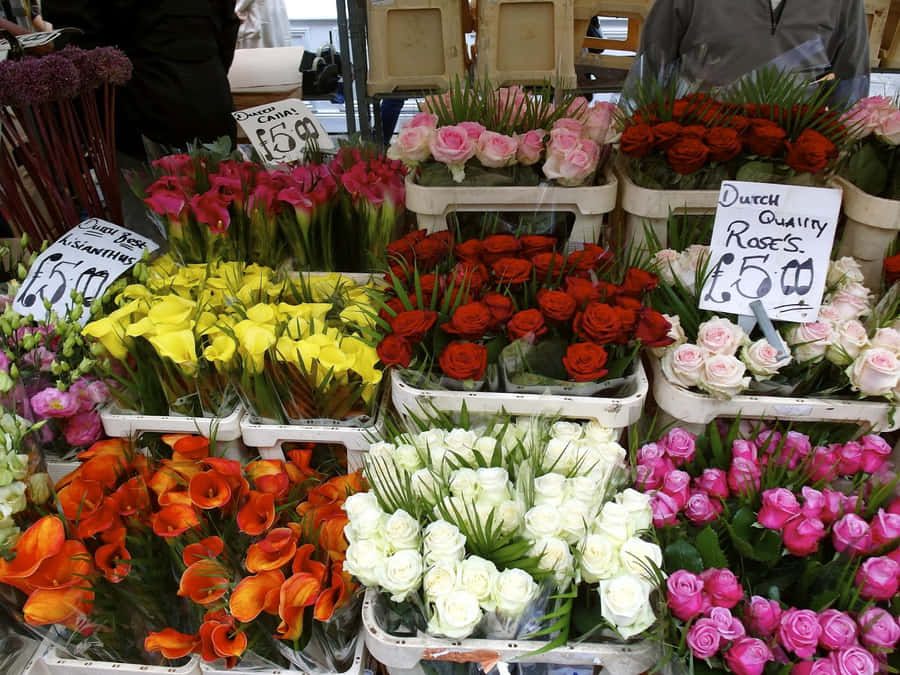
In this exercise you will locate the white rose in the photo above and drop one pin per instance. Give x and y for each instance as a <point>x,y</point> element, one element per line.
<point>401,531</point>
<point>460,439</point>
<point>443,541</point>
<point>367,525</point>
<point>594,432</point>
<point>599,558</point>
<point>514,590</point>
<point>510,514</point>
<point>721,336</point>
<point>603,459</point>
<point>39,487</point>
<point>762,359</point>
<point>456,614</point>
<point>542,521</point>
<point>549,489</point>
<point>810,340</point>
<point>427,486</point>
<point>723,376</point>
<point>485,446</point>
<point>560,456</point>
<point>381,450</point>
<point>440,458</point>
<point>554,556</point>
<point>664,263</point>
<point>493,485</point>
<point>851,337</point>
<point>406,456</point>
<point>440,578</point>
<point>426,439</point>
<point>676,333</point>
<point>625,603</point>
<point>566,431</point>
<point>478,576</point>
<point>875,372</point>
<point>576,515</point>
<point>696,255</point>
<point>849,304</point>
<point>464,484</point>
<point>582,488</point>
<point>637,504</point>
<point>683,365</point>
<point>360,502</point>
<point>844,271</point>
<point>614,521</point>
<point>887,338</point>
<point>365,560</point>
<point>402,574</point>
<point>640,557</point>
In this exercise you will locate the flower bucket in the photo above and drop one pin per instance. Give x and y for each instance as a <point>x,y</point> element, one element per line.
<point>119,423</point>
<point>871,224</point>
<point>402,655</point>
<point>57,662</point>
<point>689,407</point>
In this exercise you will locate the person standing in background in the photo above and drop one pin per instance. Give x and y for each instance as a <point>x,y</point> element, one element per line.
<point>264,23</point>
<point>20,17</point>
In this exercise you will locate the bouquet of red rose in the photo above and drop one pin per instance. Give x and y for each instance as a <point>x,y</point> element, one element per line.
<point>504,312</point>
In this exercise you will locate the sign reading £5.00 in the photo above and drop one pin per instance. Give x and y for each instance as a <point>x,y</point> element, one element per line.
<point>86,259</point>
<point>281,131</point>
<point>770,243</point>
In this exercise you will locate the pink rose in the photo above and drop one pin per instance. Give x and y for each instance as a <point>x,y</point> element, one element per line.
<point>823,465</point>
<point>51,402</point>
<point>889,338</point>
<point>796,448</point>
<point>600,118</point>
<point>569,124</point>
<point>680,445</point>
<point>799,632</point>
<point>763,616</point>
<point>743,476</point>
<point>878,578</point>
<point>851,534</point>
<point>573,167</point>
<point>720,336</point>
<point>875,372</point>
<point>810,340</point>
<point>412,144</point>
<point>889,128</point>
<point>83,429</point>
<point>452,146</point>
<point>816,667</point>
<point>878,628</point>
<point>778,506</point>
<point>531,147</point>
<point>473,129</point>
<point>745,449</point>
<point>684,594</point>
<point>729,626</point>
<point>664,508</point>
<point>885,528</point>
<point>714,482</point>
<point>854,661</point>
<point>423,119</point>
<point>748,656</point>
<point>683,365</point>
<point>723,587</point>
<point>849,305</point>
<point>768,441</point>
<point>876,450</point>
<point>700,509</point>
<point>838,630</point>
<point>802,535</point>
<point>650,452</point>
<point>496,150</point>
<point>703,638</point>
<point>676,484</point>
<point>813,502</point>
<point>563,141</point>
<point>849,457</point>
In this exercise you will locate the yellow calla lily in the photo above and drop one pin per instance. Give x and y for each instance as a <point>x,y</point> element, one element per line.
<point>261,313</point>
<point>221,351</point>
<point>287,350</point>
<point>143,328</point>
<point>110,334</point>
<point>255,339</point>
<point>359,315</point>
<point>207,323</point>
<point>335,359</point>
<point>179,347</point>
<point>297,328</point>
<point>135,291</point>
<point>172,309</point>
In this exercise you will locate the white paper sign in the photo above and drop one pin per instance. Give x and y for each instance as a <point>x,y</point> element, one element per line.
<point>280,131</point>
<point>771,243</point>
<point>87,259</point>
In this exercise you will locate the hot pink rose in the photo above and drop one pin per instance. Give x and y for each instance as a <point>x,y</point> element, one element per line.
<point>646,479</point>
<point>851,534</point>
<point>778,506</point>
<point>700,509</point>
<point>665,509</point>
<point>817,667</point>
<point>885,528</point>
<point>796,448</point>
<point>813,502</point>
<point>723,587</point>
<point>531,147</point>
<point>714,482</point>
<point>838,630</point>
<point>83,429</point>
<point>729,626</point>
<point>746,449</point>
<point>854,661</point>
<point>412,144</point>
<point>748,656</point>
<point>875,372</point>
<point>452,146</point>
<point>676,484</point>
<point>51,402</point>
<point>600,118</point>
<point>473,129</point>
<point>849,457</point>
<point>423,119</point>
<point>878,578</point>
<point>876,450</point>
<point>650,452</point>
<point>743,476</point>
<point>496,150</point>
<point>802,535</point>
<point>703,638</point>
<point>823,465</point>
<point>684,594</point>
<point>799,632</point>
<point>894,506</point>
<point>680,445</point>
<point>878,628</point>
<point>768,441</point>
<point>763,616</point>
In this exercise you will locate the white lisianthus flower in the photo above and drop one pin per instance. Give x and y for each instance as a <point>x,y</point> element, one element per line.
<point>479,576</point>
<point>625,603</point>
<point>401,531</point>
<point>39,487</point>
<point>443,541</point>
<point>549,489</point>
<point>9,534</point>
<point>365,560</point>
<point>402,574</point>
<point>440,578</point>
<point>542,521</point>
<point>640,557</point>
<point>12,499</point>
<point>599,558</point>
<point>456,614</point>
<point>514,590</point>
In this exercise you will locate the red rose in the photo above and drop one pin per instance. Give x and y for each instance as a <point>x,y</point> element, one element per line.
<point>394,350</point>
<point>724,143</point>
<point>463,360</point>
<point>584,361</point>
<point>400,251</point>
<point>498,246</point>
<point>528,323</point>
<point>665,133</point>
<point>549,265</point>
<point>415,235</point>
<point>393,307</point>
<point>469,321</point>
<point>591,257</point>
<point>500,306</point>
<point>413,324</point>
<point>457,296</point>
<point>429,252</point>
<point>427,282</point>
<point>599,323</point>
<point>468,251</point>
<point>637,140</point>
<point>637,282</point>
<point>626,302</point>
<point>765,138</point>
<point>607,292</point>
<point>444,237</point>
<point>695,130</point>
<point>556,305</point>
<point>680,108</point>
<point>473,274</point>
<point>652,329</point>
<point>532,244</point>
<point>512,270</point>
<point>892,269</point>
<point>810,152</point>
<point>739,123</point>
<point>399,271</point>
<point>581,290</point>
<point>687,155</point>
<point>628,318</point>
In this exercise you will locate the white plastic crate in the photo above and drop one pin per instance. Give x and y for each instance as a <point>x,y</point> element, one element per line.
<point>58,469</point>
<point>589,204</point>
<point>119,423</point>
<point>696,408</point>
<point>614,413</point>
<point>56,662</point>
<point>403,654</point>
<point>25,659</point>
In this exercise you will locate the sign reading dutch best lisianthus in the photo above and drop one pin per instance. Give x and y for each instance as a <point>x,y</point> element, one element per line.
<point>281,131</point>
<point>770,243</point>
<point>87,259</point>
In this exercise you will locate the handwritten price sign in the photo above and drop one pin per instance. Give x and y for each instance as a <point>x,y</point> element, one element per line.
<point>281,131</point>
<point>87,259</point>
<point>771,243</point>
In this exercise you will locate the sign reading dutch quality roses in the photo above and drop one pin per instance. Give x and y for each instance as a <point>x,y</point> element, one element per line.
<point>86,259</point>
<point>771,243</point>
<point>281,131</point>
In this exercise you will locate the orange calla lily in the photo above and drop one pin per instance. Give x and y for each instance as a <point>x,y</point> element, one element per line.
<point>100,519</point>
<point>132,497</point>
<point>273,552</point>
<point>338,489</point>
<point>67,567</point>
<point>79,498</point>
<point>115,535</point>
<point>211,621</point>
<point>301,460</point>
<point>170,643</point>
<point>172,439</point>
<point>233,473</point>
<point>105,469</point>
<point>204,582</point>
<point>258,514</point>
<point>269,475</point>
<point>112,560</point>
<point>297,593</point>
<point>174,475</point>
<point>191,448</point>
<point>204,549</point>
<point>172,520</point>
<point>303,563</point>
<point>115,447</point>
<point>209,490</point>
<point>335,596</point>
<point>40,541</point>
<point>255,594</point>
<point>331,537</point>
<point>182,497</point>
<point>227,642</point>
<point>67,606</point>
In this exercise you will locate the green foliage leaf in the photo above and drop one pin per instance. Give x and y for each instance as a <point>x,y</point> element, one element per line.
<point>867,168</point>
<point>707,543</point>
<point>760,172</point>
<point>681,555</point>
